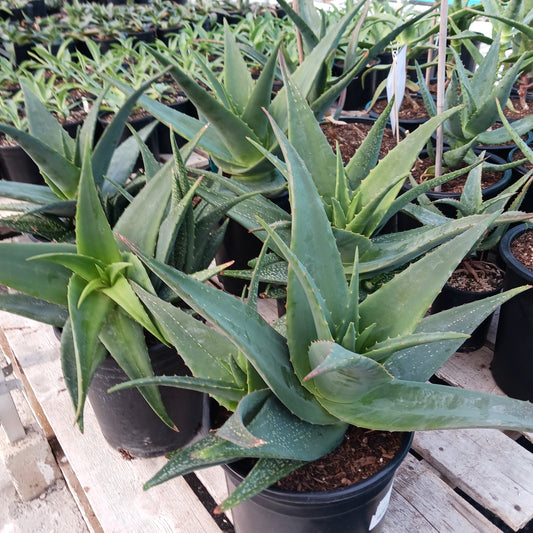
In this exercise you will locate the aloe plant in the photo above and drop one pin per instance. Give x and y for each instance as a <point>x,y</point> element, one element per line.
<point>333,362</point>
<point>337,362</point>
<point>234,108</point>
<point>59,157</point>
<point>506,203</point>
<point>478,94</point>
<point>95,303</point>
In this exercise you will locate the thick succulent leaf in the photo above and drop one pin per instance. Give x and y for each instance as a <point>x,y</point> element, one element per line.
<point>124,339</point>
<point>41,279</point>
<point>396,299</point>
<point>69,365</point>
<point>311,225</point>
<point>229,393</point>
<point>266,428</point>
<point>343,375</point>
<point>232,131</point>
<point>419,363</point>
<point>396,165</point>
<point>366,156</point>
<point>324,102</point>
<point>265,473</point>
<point>306,74</point>
<point>486,113</point>
<point>143,231</point>
<point>309,36</point>
<point>86,133</point>
<point>94,236</point>
<point>34,308</point>
<point>260,98</point>
<point>261,344</point>
<point>86,321</point>
<point>471,196</point>
<point>106,145</point>
<point>37,194</point>
<point>60,174</point>
<point>393,250</point>
<point>310,231</point>
<point>316,303</point>
<point>237,79</point>
<point>122,294</point>
<point>307,138</point>
<point>408,405</point>
<point>184,461</point>
<point>501,135</point>
<point>205,351</point>
<point>86,267</point>
<point>124,158</point>
<point>183,124</point>
<point>43,125</point>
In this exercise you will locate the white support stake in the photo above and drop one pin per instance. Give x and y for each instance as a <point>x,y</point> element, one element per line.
<point>9,417</point>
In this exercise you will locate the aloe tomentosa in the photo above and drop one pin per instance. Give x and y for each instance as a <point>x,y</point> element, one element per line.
<point>339,360</point>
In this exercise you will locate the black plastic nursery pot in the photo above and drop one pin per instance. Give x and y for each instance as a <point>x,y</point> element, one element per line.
<point>512,365</point>
<point>126,420</point>
<point>452,297</point>
<point>17,165</point>
<point>409,124</point>
<point>358,508</point>
<point>361,89</point>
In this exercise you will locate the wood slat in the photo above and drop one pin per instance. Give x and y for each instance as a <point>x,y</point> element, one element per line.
<point>487,465</point>
<point>422,502</point>
<point>113,485</point>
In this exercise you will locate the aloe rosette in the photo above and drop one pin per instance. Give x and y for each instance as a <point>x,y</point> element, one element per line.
<point>338,358</point>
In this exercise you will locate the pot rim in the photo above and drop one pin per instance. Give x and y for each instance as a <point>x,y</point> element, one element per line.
<point>509,258</point>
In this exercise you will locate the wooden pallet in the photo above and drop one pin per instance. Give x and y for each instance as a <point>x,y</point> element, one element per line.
<point>453,481</point>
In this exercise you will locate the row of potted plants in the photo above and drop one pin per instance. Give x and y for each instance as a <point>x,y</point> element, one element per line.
<point>355,346</point>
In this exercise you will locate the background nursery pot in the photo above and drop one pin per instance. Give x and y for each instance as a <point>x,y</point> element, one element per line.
<point>512,366</point>
<point>126,420</point>
<point>358,508</point>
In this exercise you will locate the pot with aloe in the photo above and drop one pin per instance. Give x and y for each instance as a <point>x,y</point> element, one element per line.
<point>295,389</point>
<point>87,293</point>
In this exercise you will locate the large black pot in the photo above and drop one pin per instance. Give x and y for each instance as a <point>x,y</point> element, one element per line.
<point>512,365</point>
<point>126,420</point>
<point>409,124</point>
<point>355,509</point>
<point>17,165</point>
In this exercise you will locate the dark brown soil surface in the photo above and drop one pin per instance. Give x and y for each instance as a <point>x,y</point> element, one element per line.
<point>476,276</point>
<point>411,108</point>
<point>517,155</point>
<point>519,111</point>
<point>4,141</point>
<point>351,135</point>
<point>456,185</point>
<point>522,248</point>
<point>362,453</point>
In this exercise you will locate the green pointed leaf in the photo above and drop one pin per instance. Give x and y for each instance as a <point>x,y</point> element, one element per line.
<point>265,473</point>
<point>237,79</point>
<point>86,320</point>
<point>60,173</point>
<point>261,344</point>
<point>407,406</point>
<point>125,341</point>
<point>419,363</point>
<point>93,235</point>
<point>23,305</point>
<point>396,299</point>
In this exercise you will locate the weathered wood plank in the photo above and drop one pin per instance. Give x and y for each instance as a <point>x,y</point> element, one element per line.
<point>487,465</point>
<point>112,484</point>
<point>422,502</point>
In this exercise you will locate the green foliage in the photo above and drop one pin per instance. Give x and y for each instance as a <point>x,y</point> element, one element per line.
<point>336,361</point>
